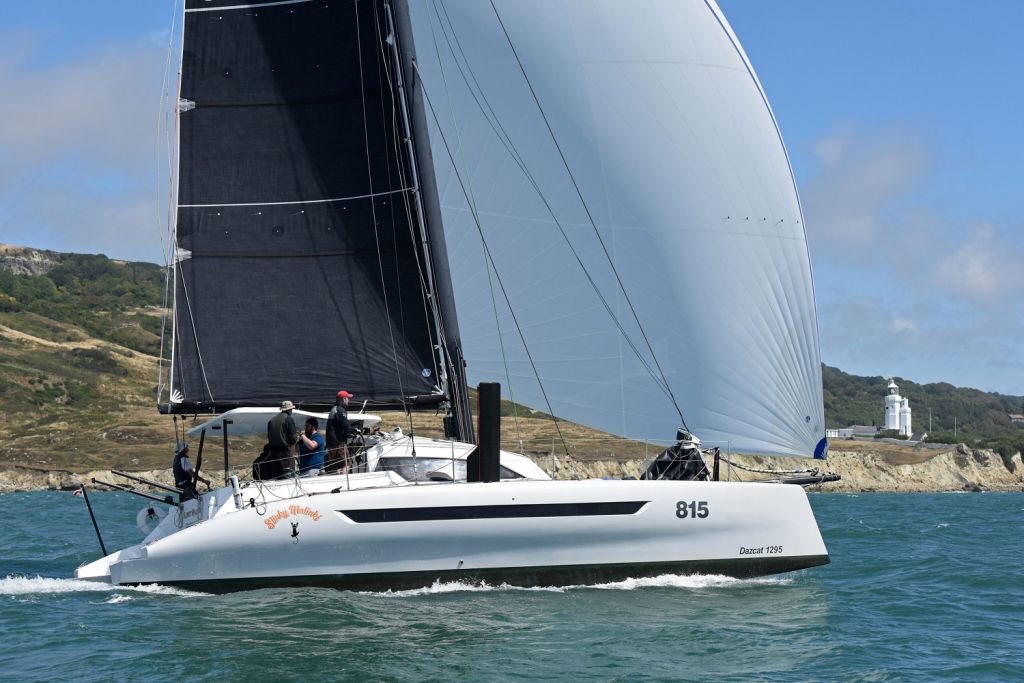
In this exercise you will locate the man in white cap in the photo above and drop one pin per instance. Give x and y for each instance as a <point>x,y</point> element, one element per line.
<point>282,435</point>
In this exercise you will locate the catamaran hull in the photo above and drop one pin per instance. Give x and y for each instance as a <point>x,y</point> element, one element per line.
<point>521,533</point>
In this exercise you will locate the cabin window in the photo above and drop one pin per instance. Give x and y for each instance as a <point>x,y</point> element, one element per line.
<point>424,469</point>
<point>433,469</point>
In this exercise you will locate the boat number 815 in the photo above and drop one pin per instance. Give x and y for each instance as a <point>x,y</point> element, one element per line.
<point>692,509</point>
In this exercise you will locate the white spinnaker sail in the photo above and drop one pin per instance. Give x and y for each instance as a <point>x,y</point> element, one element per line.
<point>668,136</point>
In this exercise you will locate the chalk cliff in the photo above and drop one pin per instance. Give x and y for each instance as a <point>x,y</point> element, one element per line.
<point>958,469</point>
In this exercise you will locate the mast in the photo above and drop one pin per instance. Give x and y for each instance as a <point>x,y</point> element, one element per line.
<point>430,224</point>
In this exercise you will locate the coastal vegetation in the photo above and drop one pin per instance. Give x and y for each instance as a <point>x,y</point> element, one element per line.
<point>79,347</point>
<point>939,408</point>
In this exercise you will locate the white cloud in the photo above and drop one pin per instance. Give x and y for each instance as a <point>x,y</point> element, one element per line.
<point>78,165</point>
<point>900,324</point>
<point>860,177</point>
<point>925,341</point>
<point>982,269</point>
<point>906,285</point>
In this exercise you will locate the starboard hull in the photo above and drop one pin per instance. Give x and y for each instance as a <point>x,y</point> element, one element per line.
<point>569,575</point>
<point>525,533</point>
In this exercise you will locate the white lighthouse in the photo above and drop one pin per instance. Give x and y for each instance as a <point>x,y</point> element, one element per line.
<point>897,410</point>
<point>905,417</point>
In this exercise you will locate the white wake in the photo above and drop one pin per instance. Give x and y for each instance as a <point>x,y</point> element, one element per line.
<point>26,585</point>
<point>688,582</point>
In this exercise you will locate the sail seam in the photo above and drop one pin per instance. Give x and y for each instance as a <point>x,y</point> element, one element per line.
<point>370,195</point>
<point>247,6</point>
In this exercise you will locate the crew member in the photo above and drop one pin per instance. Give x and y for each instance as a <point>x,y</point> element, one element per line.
<point>338,431</point>
<point>282,434</point>
<point>311,449</point>
<point>185,476</point>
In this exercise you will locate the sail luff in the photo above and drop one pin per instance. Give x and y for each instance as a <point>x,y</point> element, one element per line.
<point>427,197</point>
<point>172,216</point>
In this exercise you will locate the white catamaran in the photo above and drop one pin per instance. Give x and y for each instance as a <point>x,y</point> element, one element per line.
<point>598,188</point>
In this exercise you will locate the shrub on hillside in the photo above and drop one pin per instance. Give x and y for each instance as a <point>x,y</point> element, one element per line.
<point>949,437</point>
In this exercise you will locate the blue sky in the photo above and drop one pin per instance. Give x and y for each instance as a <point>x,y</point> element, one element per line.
<point>902,120</point>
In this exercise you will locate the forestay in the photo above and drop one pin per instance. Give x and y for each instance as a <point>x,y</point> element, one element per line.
<point>669,176</point>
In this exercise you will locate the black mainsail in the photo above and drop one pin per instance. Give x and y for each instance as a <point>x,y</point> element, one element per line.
<point>301,262</point>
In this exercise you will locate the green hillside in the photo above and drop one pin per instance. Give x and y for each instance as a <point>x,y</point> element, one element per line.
<point>80,335</point>
<point>974,414</point>
<point>115,301</point>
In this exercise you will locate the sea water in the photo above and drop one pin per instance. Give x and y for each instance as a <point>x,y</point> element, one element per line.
<point>921,587</point>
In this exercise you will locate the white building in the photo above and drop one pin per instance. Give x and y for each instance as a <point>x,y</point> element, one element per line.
<point>897,411</point>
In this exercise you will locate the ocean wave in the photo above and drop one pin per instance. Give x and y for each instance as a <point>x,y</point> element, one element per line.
<point>116,599</point>
<point>442,587</point>
<point>692,581</point>
<point>684,581</point>
<point>32,585</point>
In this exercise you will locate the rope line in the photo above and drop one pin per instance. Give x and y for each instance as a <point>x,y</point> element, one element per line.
<point>513,152</point>
<point>724,459</point>
<point>431,308</point>
<point>475,209</point>
<point>487,253</point>
<point>373,208</point>
<point>195,336</point>
<point>406,203</point>
<point>590,217</point>
<point>454,390</point>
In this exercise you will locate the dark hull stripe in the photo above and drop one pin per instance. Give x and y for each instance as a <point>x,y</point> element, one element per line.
<point>421,514</point>
<point>566,575</point>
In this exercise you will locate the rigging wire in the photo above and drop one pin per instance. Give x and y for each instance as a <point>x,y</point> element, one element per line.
<point>454,389</point>
<point>195,335</point>
<point>428,308</point>
<point>406,187</point>
<point>586,209</point>
<point>382,67</point>
<point>475,210</point>
<point>487,253</point>
<point>373,205</point>
<point>513,152</point>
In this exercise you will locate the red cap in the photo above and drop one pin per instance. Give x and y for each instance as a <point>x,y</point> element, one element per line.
<point>344,394</point>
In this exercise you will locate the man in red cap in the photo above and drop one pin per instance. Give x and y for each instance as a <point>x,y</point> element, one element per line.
<point>338,431</point>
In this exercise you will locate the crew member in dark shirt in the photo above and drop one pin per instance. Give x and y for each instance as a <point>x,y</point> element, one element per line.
<point>282,434</point>
<point>311,449</point>
<point>338,431</point>
<point>185,475</point>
